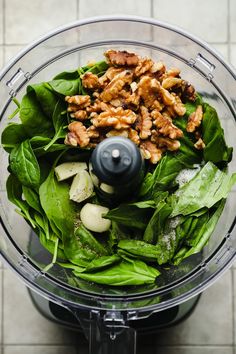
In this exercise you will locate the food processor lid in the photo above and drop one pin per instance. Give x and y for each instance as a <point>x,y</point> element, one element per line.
<point>116,161</point>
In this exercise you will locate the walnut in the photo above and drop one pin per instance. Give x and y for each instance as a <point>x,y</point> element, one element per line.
<point>133,86</point>
<point>133,135</point>
<point>121,58</point>
<point>77,135</point>
<point>73,108</point>
<point>167,97</point>
<point>173,72</point>
<point>199,145</point>
<point>133,99</point>
<point>170,82</point>
<point>178,106</point>
<point>80,115</point>
<point>109,75</point>
<point>130,133</point>
<point>90,81</point>
<point>144,123</point>
<point>169,111</point>
<point>150,151</point>
<point>188,91</point>
<point>118,102</point>
<point>95,107</point>
<point>93,132</point>
<point>164,142</point>
<point>195,119</point>
<point>71,139</point>
<point>144,65</point>
<point>158,67</point>
<point>121,132</point>
<point>116,85</point>
<point>117,118</point>
<point>77,102</point>
<point>165,125</point>
<point>148,89</point>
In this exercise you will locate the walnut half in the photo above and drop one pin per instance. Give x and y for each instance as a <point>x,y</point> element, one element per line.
<point>121,58</point>
<point>77,135</point>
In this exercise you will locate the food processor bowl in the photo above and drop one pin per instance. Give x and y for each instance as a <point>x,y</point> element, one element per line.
<point>104,311</point>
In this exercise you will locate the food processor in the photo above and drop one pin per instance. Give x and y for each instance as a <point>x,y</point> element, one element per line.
<point>111,317</point>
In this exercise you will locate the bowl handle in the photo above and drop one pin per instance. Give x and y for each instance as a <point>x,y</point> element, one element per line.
<point>107,333</point>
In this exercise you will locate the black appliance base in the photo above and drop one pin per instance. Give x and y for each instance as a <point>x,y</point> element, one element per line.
<point>153,323</point>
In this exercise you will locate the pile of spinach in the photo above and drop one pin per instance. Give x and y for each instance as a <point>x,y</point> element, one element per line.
<point>163,224</point>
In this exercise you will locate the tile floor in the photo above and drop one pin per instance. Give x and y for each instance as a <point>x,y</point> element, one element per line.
<point>211,328</point>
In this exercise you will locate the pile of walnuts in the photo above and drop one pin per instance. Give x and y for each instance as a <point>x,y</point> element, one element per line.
<point>136,98</point>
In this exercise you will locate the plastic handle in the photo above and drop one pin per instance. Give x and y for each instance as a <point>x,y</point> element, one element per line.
<point>107,334</point>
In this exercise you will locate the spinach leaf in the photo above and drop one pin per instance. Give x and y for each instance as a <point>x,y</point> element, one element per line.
<point>216,149</point>
<point>54,199</point>
<point>102,262</point>
<point>116,233</point>
<point>24,165</point>
<point>163,177</point>
<point>59,122</point>
<point>127,272</point>
<point>204,236</point>
<point>33,118</point>
<point>167,245</point>
<point>157,222</point>
<point>14,194</point>
<point>139,249</point>
<point>42,222</point>
<point>39,143</point>
<point>133,215</point>
<point>208,187</point>
<point>146,186</point>
<point>81,247</point>
<point>50,246</point>
<point>67,83</point>
<point>191,106</point>
<point>13,135</point>
<point>99,68</point>
<point>197,229</point>
<point>32,198</point>
<point>45,97</point>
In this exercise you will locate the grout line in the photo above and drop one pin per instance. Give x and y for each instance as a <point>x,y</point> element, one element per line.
<point>228,31</point>
<point>2,307</point>
<point>233,309</point>
<point>4,29</point>
<point>77,9</point>
<point>152,8</point>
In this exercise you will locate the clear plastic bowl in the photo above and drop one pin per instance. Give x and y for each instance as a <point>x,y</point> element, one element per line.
<point>67,48</point>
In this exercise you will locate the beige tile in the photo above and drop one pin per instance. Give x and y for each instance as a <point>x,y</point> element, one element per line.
<point>11,51</point>
<point>195,350</point>
<point>88,8</point>
<point>19,349</point>
<point>27,20</point>
<point>23,324</point>
<point>232,13</point>
<point>1,306</point>
<point>206,19</point>
<point>1,21</point>
<point>233,55</point>
<point>234,299</point>
<point>125,30</point>
<point>1,57</point>
<point>222,49</point>
<point>211,321</point>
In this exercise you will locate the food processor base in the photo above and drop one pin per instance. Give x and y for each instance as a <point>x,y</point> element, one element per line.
<point>153,323</point>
